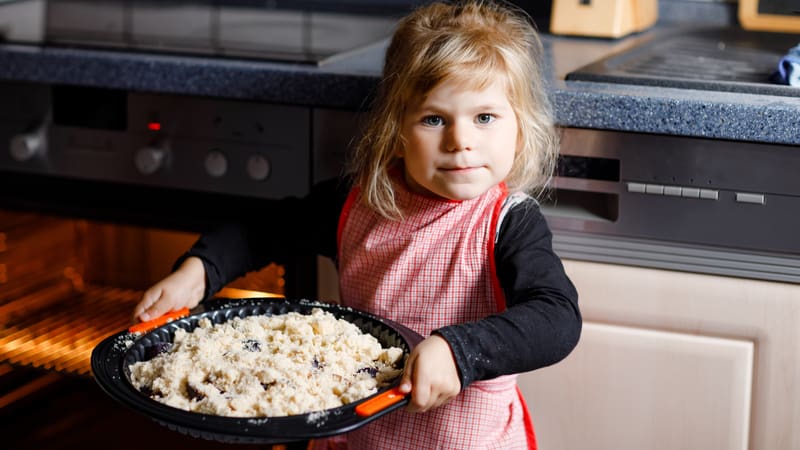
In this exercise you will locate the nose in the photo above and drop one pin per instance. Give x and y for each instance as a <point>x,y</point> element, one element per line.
<point>459,137</point>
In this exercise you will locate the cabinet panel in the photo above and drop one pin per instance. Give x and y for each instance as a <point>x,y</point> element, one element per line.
<point>764,313</point>
<point>629,388</point>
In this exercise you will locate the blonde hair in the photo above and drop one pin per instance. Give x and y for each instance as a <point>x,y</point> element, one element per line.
<point>472,42</point>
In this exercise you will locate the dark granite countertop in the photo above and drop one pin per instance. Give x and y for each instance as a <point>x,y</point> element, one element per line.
<point>346,81</point>
<point>663,110</point>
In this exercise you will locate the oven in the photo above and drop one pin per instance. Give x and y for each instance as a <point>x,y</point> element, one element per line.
<point>101,190</point>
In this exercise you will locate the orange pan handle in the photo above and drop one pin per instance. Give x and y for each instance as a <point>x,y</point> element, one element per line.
<point>158,321</point>
<point>380,402</point>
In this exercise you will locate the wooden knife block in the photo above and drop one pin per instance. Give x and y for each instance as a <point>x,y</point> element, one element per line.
<point>602,18</point>
<point>782,18</point>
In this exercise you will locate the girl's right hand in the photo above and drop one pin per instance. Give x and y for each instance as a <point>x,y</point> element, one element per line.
<point>184,287</point>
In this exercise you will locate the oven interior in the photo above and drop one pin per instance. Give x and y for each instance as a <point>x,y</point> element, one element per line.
<point>65,284</point>
<point>96,203</point>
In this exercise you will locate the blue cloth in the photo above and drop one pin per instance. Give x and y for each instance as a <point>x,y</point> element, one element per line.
<point>789,68</point>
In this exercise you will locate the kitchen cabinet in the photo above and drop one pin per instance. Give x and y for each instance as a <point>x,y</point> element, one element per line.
<point>673,360</point>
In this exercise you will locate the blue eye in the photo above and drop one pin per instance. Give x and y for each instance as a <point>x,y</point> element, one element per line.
<point>433,121</point>
<point>485,118</point>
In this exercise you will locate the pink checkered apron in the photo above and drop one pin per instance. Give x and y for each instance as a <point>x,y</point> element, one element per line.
<point>418,272</point>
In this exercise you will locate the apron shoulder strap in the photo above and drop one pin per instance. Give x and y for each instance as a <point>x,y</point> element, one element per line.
<point>513,199</point>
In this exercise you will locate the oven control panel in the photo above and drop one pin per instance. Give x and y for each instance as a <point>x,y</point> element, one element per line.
<point>198,144</point>
<point>24,112</point>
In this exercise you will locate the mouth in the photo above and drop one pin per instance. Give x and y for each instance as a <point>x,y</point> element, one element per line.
<point>459,169</point>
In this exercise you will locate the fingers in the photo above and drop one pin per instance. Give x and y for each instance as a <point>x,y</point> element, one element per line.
<point>426,397</point>
<point>144,303</point>
<point>151,305</point>
<point>154,307</point>
<point>405,381</point>
<point>432,375</point>
<point>420,399</point>
<point>159,300</point>
<point>183,288</point>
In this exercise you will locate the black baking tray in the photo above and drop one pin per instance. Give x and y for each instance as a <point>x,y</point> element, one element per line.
<point>112,357</point>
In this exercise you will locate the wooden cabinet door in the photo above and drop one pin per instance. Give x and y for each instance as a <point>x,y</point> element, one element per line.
<point>672,360</point>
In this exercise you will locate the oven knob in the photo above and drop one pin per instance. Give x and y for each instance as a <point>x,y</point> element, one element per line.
<point>151,159</point>
<point>258,167</point>
<point>26,146</point>
<point>216,163</point>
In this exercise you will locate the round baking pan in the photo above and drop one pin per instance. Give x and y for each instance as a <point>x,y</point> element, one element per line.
<point>113,356</point>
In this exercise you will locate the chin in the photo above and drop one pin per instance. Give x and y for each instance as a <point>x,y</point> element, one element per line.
<point>463,193</point>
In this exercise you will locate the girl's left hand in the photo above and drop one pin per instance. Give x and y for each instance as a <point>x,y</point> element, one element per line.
<point>430,375</point>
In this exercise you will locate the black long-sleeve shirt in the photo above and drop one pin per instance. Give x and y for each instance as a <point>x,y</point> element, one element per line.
<point>542,322</point>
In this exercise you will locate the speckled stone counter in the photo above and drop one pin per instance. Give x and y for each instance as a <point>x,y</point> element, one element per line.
<point>346,82</point>
<point>295,84</point>
<point>662,110</point>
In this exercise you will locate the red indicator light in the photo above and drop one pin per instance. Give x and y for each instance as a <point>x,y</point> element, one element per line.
<point>153,126</point>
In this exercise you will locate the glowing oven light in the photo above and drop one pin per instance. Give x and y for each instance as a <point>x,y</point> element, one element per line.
<point>154,126</point>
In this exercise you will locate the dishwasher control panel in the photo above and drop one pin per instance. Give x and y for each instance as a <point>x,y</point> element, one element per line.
<point>674,189</point>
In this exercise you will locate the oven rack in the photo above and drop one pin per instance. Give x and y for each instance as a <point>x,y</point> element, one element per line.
<point>56,327</point>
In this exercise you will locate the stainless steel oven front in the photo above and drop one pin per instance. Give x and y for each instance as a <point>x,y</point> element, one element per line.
<point>100,191</point>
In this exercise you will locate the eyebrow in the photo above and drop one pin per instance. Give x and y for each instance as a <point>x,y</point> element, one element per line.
<point>490,106</point>
<point>424,107</point>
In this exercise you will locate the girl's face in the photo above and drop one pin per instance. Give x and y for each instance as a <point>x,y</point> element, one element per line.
<point>459,142</point>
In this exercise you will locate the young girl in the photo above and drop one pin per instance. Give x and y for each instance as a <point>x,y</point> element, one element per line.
<point>433,229</point>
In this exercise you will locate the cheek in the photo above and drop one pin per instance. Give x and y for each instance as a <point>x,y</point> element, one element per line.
<point>511,156</point>
<point>404,140</point>
<point>400,146</point>
<point>408,145</point>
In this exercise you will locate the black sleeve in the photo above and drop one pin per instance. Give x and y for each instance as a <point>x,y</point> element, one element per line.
<point>542,322</point>
<point>280,229</point>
